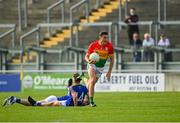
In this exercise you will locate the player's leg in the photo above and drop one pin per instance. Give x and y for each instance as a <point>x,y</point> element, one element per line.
<point>12,99</point>
<point>46,100</point>
<point>53,103</point>
<point>61,101</point>
<point>85,80</point>
<point>23,102</point>
<point>32,101</point>
<point>91,83</point>
<point>67,102</point>
<point>50,98</point>
<point>8,101</point>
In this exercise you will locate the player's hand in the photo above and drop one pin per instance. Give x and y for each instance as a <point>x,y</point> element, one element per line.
<point>108,75</point>
<point>127,17</point>
<point>91,62</point>
<point>129,20</point>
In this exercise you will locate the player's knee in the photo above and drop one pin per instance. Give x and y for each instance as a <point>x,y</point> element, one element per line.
<point>56,103</point>
<point>93,80</point>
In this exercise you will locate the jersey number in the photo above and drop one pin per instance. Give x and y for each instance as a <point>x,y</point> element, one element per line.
<point>80,99</point>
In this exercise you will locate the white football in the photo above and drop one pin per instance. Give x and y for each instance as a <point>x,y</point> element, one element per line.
<point>94,57</point>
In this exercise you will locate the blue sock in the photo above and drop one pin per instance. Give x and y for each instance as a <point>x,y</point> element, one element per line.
<point>18,100</point>
<point>38,104</point>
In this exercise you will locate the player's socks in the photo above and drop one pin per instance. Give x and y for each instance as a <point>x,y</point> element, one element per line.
<point>18,100</point>
<point>91,100</point>
<point>31,101</point>
<point>92,104</point>
<point>38,104</point>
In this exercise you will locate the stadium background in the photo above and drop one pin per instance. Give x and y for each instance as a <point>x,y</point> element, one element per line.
<point>50,37</point>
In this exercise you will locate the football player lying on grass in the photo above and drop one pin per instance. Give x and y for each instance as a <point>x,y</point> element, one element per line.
<point>77,96</point>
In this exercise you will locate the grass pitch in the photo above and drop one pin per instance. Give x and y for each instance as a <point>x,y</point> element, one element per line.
<point>111,107</point>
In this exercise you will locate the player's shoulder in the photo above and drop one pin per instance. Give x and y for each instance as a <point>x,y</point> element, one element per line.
<point>93,42</point>
<point>82,85</point>
<point>78,86</point>
<point>109,43</point>
<point>84,88</point>
<point>74,86</point>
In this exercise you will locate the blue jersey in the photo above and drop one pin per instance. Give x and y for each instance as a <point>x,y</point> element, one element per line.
<point>81,92</point>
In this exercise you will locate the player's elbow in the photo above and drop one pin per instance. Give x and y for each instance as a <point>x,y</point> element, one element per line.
<point>93,80</point>
<point>87,57</point>
<point>112,59</point>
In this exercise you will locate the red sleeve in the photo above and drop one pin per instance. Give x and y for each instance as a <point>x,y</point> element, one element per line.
<point>90,49</point>
<point>111,49</point>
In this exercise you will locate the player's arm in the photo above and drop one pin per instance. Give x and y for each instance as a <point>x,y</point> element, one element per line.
<point>87,57</point>
<point>111,57</point>
<point>89,51</point>
<point>86,100</point>
<point>74,96</point>
<point>108,75</point>
<point>111,62</point>
<point>89,60</point>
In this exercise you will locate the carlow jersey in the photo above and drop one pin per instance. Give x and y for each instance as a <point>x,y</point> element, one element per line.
<point>104,51</point>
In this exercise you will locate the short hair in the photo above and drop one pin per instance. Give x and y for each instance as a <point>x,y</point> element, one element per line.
<point>77,77</point>
<point>133,8</point>
<point>103,33</point>
<point>162,35</point>
<point>146,34</point>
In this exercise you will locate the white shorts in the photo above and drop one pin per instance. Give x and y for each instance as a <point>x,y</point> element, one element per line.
<point>98,70</point>
<point>51,98</point>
